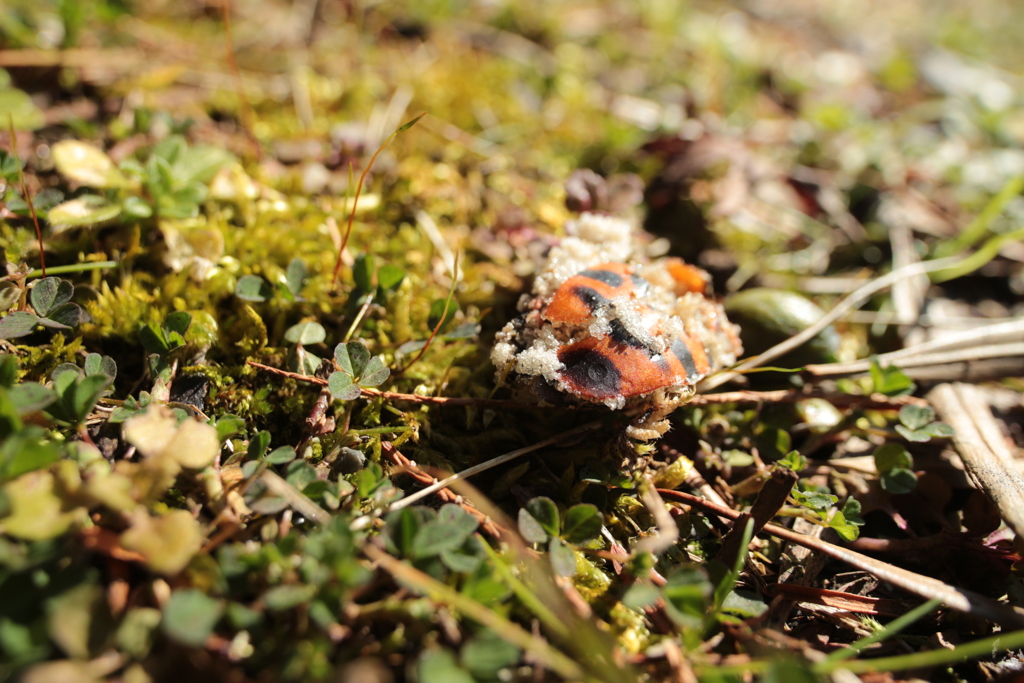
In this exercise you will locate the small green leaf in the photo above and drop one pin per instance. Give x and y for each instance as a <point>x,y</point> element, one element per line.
<point>815,500</point>
<point>63,317</point>
<point>545,513</point>
<point>9,295</point>
<point>342,387</point>
<point>49,293</point>
<point>486,654</point>
<point>47,199</point>
<point>25,451</point>
<point>228,426</point>
<point>363,272</point>
<point>912,435</point>
<point>582,523</point>
<point>200,163</point>
<point>10,165</point>
<point>449,531</point>
<point>280,456</point>
<point>939,430</point>
<point>178,322</point>
<point>743,605</point>
<point>640,596</point>
<point>898,480</point>
<point>403,525</point>
<point>135,208</point>
<point>374,373</point>
<point>409,124</point>
<point>153,339</point>
<point>306,333</point>
<point>466,558</point>
<point>793,461</point>
<point>846,530</point>
<point>389,277</point>
<point>563,559</point>
<point>29,397</point>
<point>249,468</point>
<point>95,364</point>
<point>282,598</point>
<point>19,110</point>
<point>296,275</point>
<point>463,331</point>
<point>64,375</point>
<point>300,474</point>
<point>87,393</point>
<point>190,615</point>
<point>442,311</point>
<point>851,511</point>
<point>915,417</point>
<point>18,324</point>
<point>687,592</point>
<point>890,380</point>
<point>253,288</point>
<point>258,445</point>
<point>8,369</point>
<point>352,358</point>
<point>892,455</point>
<point>439,666</point>
<point>84,211</point>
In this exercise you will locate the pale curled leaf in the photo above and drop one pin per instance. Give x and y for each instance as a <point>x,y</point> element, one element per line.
<point>168,543</point>
<point>86,164</point>
<point>156,434</point>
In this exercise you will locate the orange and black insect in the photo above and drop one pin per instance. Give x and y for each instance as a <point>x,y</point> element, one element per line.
<point>618,364</point>
<point>580,296</point>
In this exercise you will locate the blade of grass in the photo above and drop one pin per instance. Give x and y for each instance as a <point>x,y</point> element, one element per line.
<point>890,630</point>
<point>985,253</point>
<point>527,596</point>
<point>539,648</point>
<point>73,268</point>
<point>359,188</point>
<point>493,462</point>
<point>1001,642</point>
<point>444,314</point>
<point>28,197</point>
<point>976,229</point>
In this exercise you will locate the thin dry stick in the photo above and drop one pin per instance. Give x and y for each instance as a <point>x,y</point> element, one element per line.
<point>983,449</point>
<point>907,361</point>
<point>24,191</point>
<point>407,466</point>
<point>493,462</point>
<point>851,302</point>
<point>444,314</point>
<point>395,396</point>
<point>872,402</point>
<point>359,188</point>
<point>918,584</point>
<point>244,108</point>
<point>999,333</point>
<point>296,499</point>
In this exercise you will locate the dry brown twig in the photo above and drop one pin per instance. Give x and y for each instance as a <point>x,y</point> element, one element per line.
<point>854,300</point>
<point>925,586</point>
<point>869,402</point>
<point>407,466</point>
<point>983,449</point>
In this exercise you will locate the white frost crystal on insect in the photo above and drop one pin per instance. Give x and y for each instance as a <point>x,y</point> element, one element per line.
<point>592,239</point>
<point>652,313</point>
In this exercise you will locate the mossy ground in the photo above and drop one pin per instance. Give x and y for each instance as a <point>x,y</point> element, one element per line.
<point>786,145</point>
